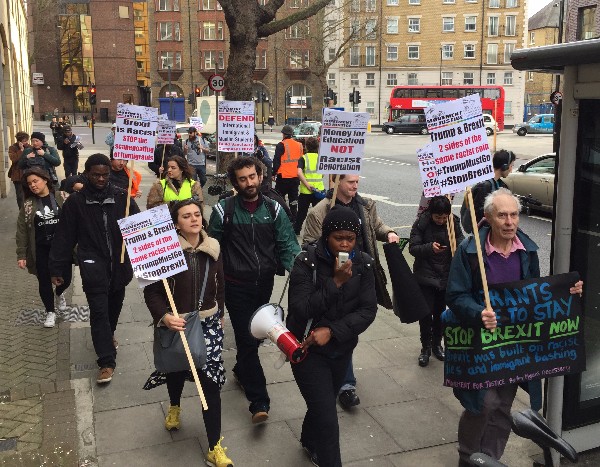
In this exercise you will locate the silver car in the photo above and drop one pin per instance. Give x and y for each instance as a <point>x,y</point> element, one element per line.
<point>535,180</point>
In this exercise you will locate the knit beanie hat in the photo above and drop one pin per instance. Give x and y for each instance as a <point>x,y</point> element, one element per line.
<point>340,218</point>
<point>39,135</point>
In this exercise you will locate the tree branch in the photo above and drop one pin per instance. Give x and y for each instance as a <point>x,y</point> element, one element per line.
<point>272,27</point>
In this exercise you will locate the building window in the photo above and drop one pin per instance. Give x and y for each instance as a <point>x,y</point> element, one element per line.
<point>392,26</point>
<point>585,23</point>
<point>447,51</point>
<point>491,78</point>
<point>470,23</point>
<point>210,33</point>
<point>392,52</point>
<point>508,78</point>
<point>220,30</point>
<point>449,1</point>
<point>469,51</point>
<point>139,33</point>
<point>414,2</point>
<point>299,59</point>
<point>531,37</point>
<point>493,23</point>
<point>370,108</point>
<point>168,5</point>
<point>448,24</point>
<point>208,4</point>
<point>511,4</point>
<point>355,55</point>
<point>508,108</point>
<point>355,6</point>
<point>508,50</point>
<point>370,56</point>
<point>468,77</point>
<point>413,79</point>
<point>530,76</point>
<point>392,79</point>
<point>446,78</point>
<point>371,29</point>
<point>139,50</point>
<point>413,52</point>
<point>331,80</point>
<point>370,79</point>
<point>494,3</point>
<point>392,2</point>
<point>169,59</point>
<point>354,79</point>
<point>331,53</point>
<point>221,57</point>
<point>510,28</point>
<point>492,54</point>
<point>164,32</point>
<point>261,59</point>
<point>414,24</point>
<point>209,59</point>
<point>355,27</point>
<point>370,5</point>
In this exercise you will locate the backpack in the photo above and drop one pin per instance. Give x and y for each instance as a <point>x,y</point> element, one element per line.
<point>465,212</point>
<point>228,221</point>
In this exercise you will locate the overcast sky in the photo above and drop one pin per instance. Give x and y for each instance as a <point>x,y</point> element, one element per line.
<point>536,5</point>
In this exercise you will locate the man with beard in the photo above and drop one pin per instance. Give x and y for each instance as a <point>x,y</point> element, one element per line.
<point>89,221</point>
<point>253,238</point>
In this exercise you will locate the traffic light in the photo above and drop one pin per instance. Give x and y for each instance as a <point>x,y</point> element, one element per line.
<point>92,94</point>
<point>351,96</point>
<point>356,97</point>
<point>197,91</point>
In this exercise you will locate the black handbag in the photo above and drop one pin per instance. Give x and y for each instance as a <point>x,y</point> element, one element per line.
<point>169,354</point>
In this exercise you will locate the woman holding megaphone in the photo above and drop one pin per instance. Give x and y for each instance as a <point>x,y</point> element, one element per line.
<point>331,301</point>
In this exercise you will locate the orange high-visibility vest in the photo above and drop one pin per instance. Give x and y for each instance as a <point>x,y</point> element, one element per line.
<point>289,159</point>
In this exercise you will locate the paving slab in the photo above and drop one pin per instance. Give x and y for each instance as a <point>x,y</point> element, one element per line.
<point>184,453</point>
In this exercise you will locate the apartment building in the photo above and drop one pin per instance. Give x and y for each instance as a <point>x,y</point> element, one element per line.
<point>582,19</point>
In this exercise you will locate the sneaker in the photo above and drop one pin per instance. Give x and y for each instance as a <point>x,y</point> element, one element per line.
<point>172,421</point>
<point>50,320</point>
<point>348,398</point>
<point>105,375</point>
<point>260,414</point>
<point>217,457</point>
<point>61,302</point>
<point>115,343</point>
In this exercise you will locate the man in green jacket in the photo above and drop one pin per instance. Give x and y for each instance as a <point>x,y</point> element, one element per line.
<point>255,235</point>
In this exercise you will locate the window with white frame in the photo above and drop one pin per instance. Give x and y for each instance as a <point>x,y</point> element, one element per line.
<point>392,25</point>
<point>370,5</point>
<point>208,4</point>
<point>508,108</point>
<point>494,3</point>
<point>531,37</point>
<point>493,23</point>
<point>220,30</point>
<point>530,76</point>
<point>413,52</point>
<point>355,55</point>
<point>414,24</point>
<point>413,79</point>
<point>448,51</point>
<point>492,54</point>
<point>261,59</point>
<point>165,31</point>
<point>508,78</point>
<point>392,52</point>
<point>510,28</point>
<point>392,2</point>
<point>511,4</point>
<point>469,51</point>
<point>468,78</point>
<point>355,6</point>
<point>491,78</point>
<point>354,79</point>
<point>508,50</point>
<point>209,59</point>
<point>331,52</point>
<point>370,79</point>
<point>414,2</point>
<point>170,59</point>
<point>446,78</point>
<point>449,1</point>
<point>392,79</point>
<point>470,23</point>
<point>370,55</point>
<point>371,29</point>
<point>221,58</point>
<point>210,33</point>
<point>331,80</point>
<point>168,5</point>
<point>370,109</point>
<point>355,26</point>
<point>448,24</point>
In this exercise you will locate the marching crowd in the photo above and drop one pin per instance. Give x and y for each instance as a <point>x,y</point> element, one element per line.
<point>336,278</point>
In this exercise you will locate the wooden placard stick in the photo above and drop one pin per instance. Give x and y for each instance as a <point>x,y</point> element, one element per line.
<point>451,231</point>
<point>162,162</point>
<point>186,347</point>
<point>128,202</point>
<point>486,293</point>
<point>335,190</point>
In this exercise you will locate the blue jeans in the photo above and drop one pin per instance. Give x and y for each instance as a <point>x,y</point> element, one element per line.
<point>200,174</point>
<point>349,379</point>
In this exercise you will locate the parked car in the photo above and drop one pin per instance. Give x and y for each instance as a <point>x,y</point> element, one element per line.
<point>542,123</point>
<point>210,139</point>
<point>409,123</point>
<point>535,180</point>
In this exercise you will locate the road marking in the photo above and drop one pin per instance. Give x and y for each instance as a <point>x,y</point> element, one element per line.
<point>540,218</point>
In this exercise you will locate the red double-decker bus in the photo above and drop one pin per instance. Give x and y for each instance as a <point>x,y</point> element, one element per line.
<point>414,99</point>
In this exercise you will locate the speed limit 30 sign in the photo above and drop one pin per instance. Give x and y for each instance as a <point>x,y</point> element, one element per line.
<point>216,83</point>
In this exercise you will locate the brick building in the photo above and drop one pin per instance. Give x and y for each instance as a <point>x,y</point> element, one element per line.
<point>582,18</point>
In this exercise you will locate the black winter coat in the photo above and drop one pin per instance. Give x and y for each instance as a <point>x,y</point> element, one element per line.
<point>348,311</point>
<point>431,269</point>
<point>92,226</point>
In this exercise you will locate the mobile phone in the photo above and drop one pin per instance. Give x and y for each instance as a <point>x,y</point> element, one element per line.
<point>342,258</point>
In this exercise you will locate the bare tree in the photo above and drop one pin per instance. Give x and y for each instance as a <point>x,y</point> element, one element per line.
<point>248,22</point>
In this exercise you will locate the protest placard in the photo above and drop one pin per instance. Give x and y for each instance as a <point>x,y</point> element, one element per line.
<point>428,171</point>
<point>460,147</point>
<point>539,334</point>
<point>135,135</point>
<point>342,142</point>
<point>166,132</point>
<point>152,245</point>
<point>197,123</point>
<point>236,126</point>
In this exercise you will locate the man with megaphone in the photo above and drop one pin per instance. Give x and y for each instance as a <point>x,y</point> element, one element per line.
<point>332,300</point>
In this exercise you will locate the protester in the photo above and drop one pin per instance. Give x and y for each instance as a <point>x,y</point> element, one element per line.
<point>255,236</point>
<point>373,229</point>
<point>508,255</point>
<point>311,182</point>
<point>89,221</point>
<point>70,149</point>
<point>15,151</point>
<point>42,155</point>
<point>201,252</point>
<point>110,137</point>
<point>285,166</point>
<point>331,307</point>
<point>261,153</point>
<point>54,130</point>
<point>271,122</point>
<point>119,177</point>
<point>178,185</point>
<point>162,155</point>
<point>430,245</point>
<point>36,227</point>
<point>195,151</point>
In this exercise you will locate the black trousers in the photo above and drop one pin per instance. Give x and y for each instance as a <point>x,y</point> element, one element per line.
<point>212,393</point>
<point>70,166</point>
<point>42,252</point>
<point>19,193</point>
<point>241,301</point>
<point>105,308</point>
<point>431,325</point>
<point>319,379</point>
<point>304,201</point>
<point>289,187</point>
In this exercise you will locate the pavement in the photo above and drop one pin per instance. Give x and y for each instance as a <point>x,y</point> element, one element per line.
<point>52,413</point>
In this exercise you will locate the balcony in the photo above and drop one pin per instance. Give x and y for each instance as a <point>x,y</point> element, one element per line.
<point>175,74</point>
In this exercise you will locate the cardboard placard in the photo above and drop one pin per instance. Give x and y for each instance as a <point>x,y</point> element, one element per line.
<point>135,135</point>
<point>236,126</point>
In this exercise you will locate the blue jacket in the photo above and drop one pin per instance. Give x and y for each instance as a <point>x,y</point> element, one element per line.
<point>465,298</point>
